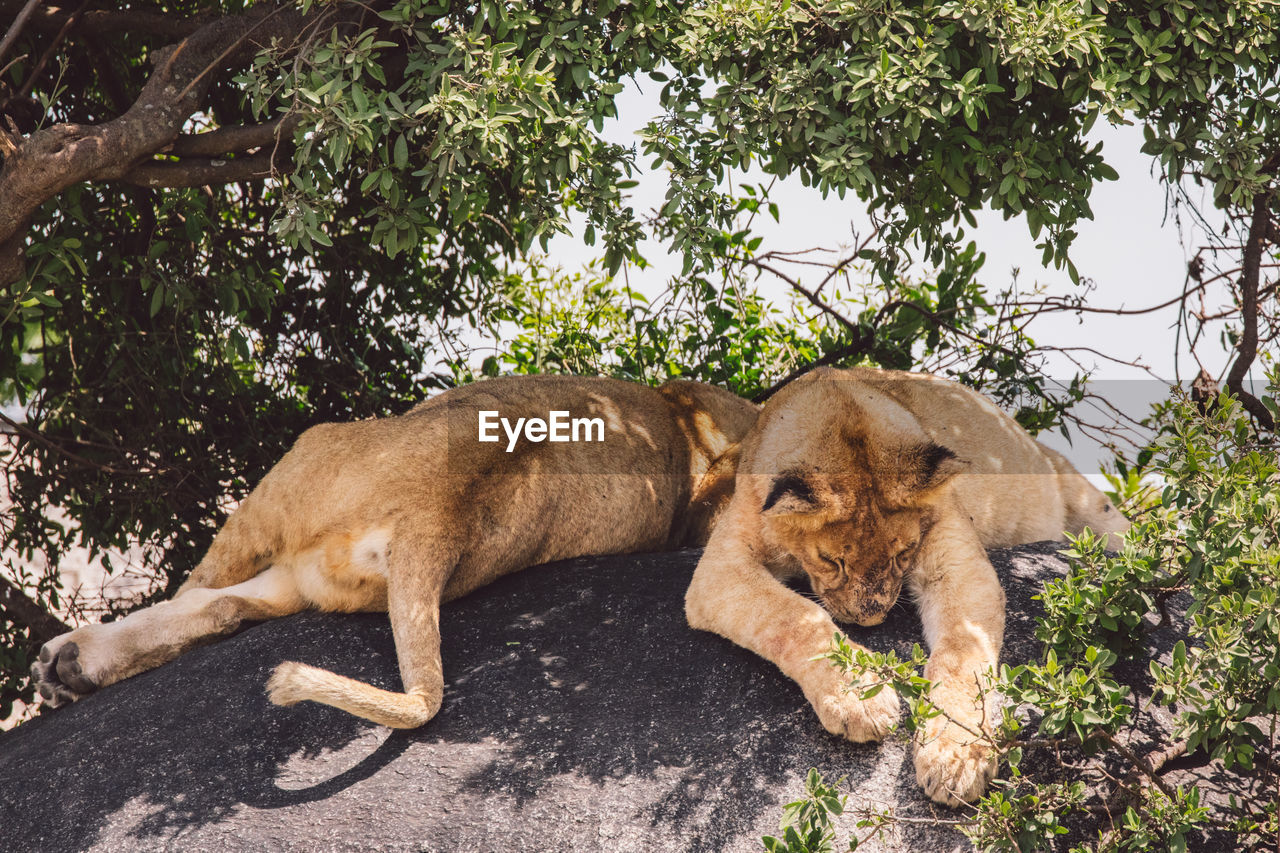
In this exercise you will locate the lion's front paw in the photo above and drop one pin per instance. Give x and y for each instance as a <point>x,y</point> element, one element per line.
<point>843,713</point>
<point>954,767</point>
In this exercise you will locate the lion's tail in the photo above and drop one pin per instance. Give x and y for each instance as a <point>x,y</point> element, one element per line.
<point>296,682</point>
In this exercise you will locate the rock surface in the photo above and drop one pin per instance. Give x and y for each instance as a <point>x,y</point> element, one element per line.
<point>581,713</point>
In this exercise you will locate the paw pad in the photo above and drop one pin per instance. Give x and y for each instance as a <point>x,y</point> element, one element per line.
<point>58,675</point>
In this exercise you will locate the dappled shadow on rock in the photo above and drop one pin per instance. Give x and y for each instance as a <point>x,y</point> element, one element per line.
<point>177,747</point>
<point>607,689</point>
<point>581,713</point>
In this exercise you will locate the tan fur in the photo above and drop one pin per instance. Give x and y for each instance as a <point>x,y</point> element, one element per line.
<point>402,514</point>
<point>844,479</point>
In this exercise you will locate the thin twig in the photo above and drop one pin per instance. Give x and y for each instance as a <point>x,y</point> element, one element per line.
<point>15,29</point>
<point>28,433</point>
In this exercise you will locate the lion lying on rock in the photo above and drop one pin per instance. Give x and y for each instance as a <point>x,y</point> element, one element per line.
<point>865,481</point>
<point>401,514</point>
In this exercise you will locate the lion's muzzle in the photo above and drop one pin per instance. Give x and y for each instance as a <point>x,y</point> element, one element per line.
<point>864,604</point>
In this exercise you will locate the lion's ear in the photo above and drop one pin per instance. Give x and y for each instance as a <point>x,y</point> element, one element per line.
<point>930,465</point>
<point>790,494</point>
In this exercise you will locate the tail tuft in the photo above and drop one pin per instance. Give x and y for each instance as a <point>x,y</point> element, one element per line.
<point>294,682</point>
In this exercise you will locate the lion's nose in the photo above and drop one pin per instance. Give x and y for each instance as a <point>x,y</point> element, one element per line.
<point>869,620</point>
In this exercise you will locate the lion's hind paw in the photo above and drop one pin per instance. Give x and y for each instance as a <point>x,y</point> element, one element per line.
<point>58,675</point>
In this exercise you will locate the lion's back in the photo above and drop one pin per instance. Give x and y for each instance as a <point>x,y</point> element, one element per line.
<point>619,488</point>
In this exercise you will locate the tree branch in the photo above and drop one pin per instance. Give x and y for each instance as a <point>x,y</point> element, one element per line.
<point>15,29</point>
<point>41,625</point>
<point>199,173</point>
<point>233,140</point>
<point>50,51</point>
<point>194,170</point>
<point>862,339</point>
<point>830,357</point>
<point>112,21</point>
<point>1247,348</point>
<point>27,433</point>
<point>45,163</point>
<point>810,295</point>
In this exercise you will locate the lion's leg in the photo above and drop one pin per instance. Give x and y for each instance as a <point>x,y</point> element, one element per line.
<point>418,567</point>
<point>962,609</point>
<point>226,563</point>
<point>733,595</point>
<point>93,656</point>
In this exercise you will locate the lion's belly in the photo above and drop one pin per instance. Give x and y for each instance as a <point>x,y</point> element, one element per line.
<point>345,572</point>
<point>538,519</point>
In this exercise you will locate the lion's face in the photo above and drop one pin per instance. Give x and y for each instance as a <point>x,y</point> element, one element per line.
<point>857,569</point>
<point>855,533</point>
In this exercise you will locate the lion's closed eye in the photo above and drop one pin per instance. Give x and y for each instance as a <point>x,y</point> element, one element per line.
<point>903,548</point>
<point>832,565</point>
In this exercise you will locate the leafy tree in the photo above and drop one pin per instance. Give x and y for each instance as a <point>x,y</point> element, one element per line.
<point>930,110</point>
<point>720,330</point>
<point>224,222</point>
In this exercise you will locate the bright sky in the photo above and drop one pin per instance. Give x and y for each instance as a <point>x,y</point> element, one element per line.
<point>1134,253</point>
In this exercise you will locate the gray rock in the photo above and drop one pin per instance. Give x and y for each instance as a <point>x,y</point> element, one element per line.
<point>581,713</point>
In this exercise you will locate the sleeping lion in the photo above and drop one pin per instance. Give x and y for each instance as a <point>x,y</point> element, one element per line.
<point>865,481</point>
<point>862,480</point>
<point>401,514</point>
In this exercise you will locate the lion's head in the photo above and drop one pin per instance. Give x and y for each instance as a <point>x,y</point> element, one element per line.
<point>851,500</point>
